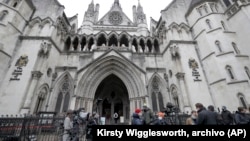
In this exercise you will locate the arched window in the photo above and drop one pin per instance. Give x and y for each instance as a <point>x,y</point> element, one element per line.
<point>67,44</point>
<point>41,100</point>
<point>66,102</point>
<point>199,11</point>
<point>236,49</point>
<point>230,72</point>
<point>149,44</point>
<point>242,100</point>
<point>15,4</point>
<point>223,25</point>
<point>101,41</point>
<point>124,41</point>
<point>91,43</point>
<point>83,43</point>
<point>156,46</point>
<point>142,44</point>
<point>154,102</point>
<point>157,97</point>
<point>113,41</point>
<point>227,3</point>
<point>75,44</point>
<point>160,100</point>
<point>247,72</point>
<point>134,43</point>
<point>3,14</point>
<point>217,43</point>
<point>59,103</point>
<point>205,8</point>
<point>216,7</point>
<point>208,24</point>
<point>174,95</point>
<point>63,98</point>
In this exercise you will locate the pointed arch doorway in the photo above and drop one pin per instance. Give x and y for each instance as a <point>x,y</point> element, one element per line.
<point>111,96</point>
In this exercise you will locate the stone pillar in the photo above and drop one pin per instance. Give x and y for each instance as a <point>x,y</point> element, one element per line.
<point>90,105</point>
<point>183,90</point>
<point>130,45</point>
<point>36,75</point>
<point>118,44</point>
<point>147,101</point>
<point>132,107</point>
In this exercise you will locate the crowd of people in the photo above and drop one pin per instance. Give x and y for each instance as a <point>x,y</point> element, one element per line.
<point>201,116</point>
<point>80,120</point>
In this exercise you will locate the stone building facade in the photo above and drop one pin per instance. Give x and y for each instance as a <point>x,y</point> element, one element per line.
<point>196,52</point>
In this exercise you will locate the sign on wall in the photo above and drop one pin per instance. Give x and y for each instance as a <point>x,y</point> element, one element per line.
<point>21,62</point>
<point>194,66</point>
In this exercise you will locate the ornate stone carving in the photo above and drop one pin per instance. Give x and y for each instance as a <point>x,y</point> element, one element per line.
<point>22,61</point>
<point>65,86</point>
<point>174,50</point>
<point>174,93</point>
<point>115,18</point>
<point>180,76</point>
<point>54,76</point>
<point>155,84</point>
<point>45,49</point>
<point>193,63</point>
<point>36,74</point>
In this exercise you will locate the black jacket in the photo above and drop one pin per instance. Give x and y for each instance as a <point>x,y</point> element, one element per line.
<point>206,117</point>
<point>241,118</point>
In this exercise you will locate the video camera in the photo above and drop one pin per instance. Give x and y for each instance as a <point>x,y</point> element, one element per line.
<point>170,108</point>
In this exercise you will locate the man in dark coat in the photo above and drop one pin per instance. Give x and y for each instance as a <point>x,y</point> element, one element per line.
<point>205,117</point>
<point>215,115</point>
<point>227,116</point>
<point>241,118</point>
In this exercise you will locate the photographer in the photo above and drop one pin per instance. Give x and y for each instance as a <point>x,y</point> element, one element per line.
<point>68,125</point>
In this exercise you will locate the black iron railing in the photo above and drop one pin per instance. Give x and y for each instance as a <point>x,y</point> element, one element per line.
<point>31,128</point>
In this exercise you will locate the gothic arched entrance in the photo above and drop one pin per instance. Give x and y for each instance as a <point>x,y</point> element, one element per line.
<point>113,97</point>
<point>112,79</point>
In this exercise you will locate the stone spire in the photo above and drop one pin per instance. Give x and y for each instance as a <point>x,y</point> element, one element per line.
<point>139,7</point>
<point>90,13</point>
<point>116,4</point>
<point>141,17</point>
<point>141,21</point>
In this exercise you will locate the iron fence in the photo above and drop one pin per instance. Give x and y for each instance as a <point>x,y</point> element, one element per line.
<point>31,128</point>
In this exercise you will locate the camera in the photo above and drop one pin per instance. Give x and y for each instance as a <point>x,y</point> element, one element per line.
<point>170,108</point>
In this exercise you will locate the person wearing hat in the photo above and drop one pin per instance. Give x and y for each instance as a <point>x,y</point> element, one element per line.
<point>147,115</point>
<point>227,116</point>
<point>136,120</point>
<point>68,125</point>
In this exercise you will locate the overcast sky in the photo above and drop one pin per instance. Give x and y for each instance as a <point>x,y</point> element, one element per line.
<point>152,8</point>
